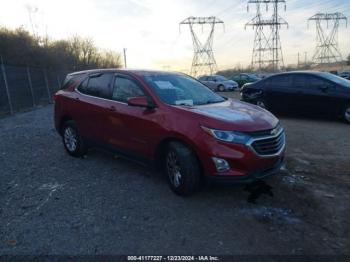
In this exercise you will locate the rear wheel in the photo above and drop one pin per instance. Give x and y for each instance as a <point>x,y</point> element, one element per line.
<point>221,88</point>
<point>182,169</point>
<point>72,141</point>
<point>346,114</point>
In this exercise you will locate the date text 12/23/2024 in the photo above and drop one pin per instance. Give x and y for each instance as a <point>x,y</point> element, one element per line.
<point>173,258</point>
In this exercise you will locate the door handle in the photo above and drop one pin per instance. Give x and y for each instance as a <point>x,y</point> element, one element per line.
<point>111,108</point>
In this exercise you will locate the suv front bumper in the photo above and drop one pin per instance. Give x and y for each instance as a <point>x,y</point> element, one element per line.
<point>249,178</point>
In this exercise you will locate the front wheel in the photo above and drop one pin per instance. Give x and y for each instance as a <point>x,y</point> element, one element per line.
<point>347,114</point>
<point>72,141</point>
<point>182,169</point>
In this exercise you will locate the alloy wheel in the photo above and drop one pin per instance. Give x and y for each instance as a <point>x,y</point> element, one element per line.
<point>70,139</point>
<point>173,169</point>
<point>347,114</point>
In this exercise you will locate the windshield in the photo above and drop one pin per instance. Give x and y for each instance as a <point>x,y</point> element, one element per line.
<point>221,78</point>
<point>181,90</point>
<point>337,79</point>
<point>253,77</point>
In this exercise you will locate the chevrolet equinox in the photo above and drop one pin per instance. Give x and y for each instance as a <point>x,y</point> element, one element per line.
<point>172,121</point>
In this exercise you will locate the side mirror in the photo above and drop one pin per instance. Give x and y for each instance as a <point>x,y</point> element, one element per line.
<point>141,101</point>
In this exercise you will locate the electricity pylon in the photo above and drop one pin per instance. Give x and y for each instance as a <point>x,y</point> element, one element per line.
<point>261,47</point>
<point>327,49</point>
<point>203,58</point>
<point>267,52</point>
<point>31,11</point>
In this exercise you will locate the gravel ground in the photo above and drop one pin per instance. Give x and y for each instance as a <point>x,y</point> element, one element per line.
<point>51,203</point>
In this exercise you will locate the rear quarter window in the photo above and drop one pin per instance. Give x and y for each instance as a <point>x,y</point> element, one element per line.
<point>70,80</point>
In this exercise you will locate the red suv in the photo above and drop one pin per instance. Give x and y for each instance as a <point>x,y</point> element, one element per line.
<point>171,120</point>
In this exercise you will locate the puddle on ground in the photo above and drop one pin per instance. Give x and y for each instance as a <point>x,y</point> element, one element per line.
<point>282,215</point>
<point>258,189</point>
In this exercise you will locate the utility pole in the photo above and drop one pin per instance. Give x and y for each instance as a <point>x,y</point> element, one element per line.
<point>327,48</point>
<point>124,51</point>
<point>203,58</point>
<point>305,59</point>
<point>298,60</point>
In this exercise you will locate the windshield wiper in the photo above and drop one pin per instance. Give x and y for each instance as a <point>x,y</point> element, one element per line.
<point>211,101</point>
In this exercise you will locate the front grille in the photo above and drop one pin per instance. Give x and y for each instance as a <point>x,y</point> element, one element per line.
<point>269,145</point>
<point>257,134</point>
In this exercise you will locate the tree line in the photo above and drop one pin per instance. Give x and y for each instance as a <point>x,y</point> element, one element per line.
<point>19,47</point>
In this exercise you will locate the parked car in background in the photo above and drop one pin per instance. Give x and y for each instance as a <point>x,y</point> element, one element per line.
<point>170,120</point>
<point>345,74</point>
<point>315,93</point>
<point>334,72</point>
<point>218,83</point>
<point>244,78</point>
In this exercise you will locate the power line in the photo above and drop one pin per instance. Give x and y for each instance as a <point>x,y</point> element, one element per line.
<point>124,52</point>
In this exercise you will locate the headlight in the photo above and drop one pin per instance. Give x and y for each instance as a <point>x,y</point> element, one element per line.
<point>227,136</point>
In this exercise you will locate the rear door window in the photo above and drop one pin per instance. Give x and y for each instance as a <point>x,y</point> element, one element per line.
<point>98,85</point>
<point>300,81</point>
<point>282,81</point>
<point>244,77</point>
<point>83,86</point>
<point>316,83</point>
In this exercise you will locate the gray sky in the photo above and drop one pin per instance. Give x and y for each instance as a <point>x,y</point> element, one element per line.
<point>150,28</point>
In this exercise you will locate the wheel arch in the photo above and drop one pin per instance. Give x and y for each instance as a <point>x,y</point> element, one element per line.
<point>342,111</point>
<point>63,120</point>
<point>162,145</point>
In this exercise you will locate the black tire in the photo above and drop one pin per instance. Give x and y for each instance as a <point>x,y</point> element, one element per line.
<point>80,148</point>
<point>346,114</point>
<point>188,167</point>
<point>261,103</point>
<point>221,88</point>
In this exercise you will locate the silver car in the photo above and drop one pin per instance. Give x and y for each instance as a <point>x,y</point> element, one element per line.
<point>218,83</point>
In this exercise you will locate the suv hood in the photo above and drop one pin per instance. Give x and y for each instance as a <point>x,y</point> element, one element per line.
<point>235,115</point>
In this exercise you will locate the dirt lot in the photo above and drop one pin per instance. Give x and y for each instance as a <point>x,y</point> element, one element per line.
<point>51,203</point>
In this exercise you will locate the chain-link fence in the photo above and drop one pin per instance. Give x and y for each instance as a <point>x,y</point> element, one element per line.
<point>27,87</point>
